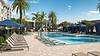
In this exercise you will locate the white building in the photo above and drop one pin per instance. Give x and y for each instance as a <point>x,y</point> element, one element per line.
<point>5,11</point>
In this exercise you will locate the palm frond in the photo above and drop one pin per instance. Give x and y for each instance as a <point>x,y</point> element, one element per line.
<point>98,6</point>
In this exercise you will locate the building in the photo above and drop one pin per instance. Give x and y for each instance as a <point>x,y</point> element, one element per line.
<point>5,11</point>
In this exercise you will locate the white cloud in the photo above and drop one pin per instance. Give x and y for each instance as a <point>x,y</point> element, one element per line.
<point>69,7</point>
<point>94,12</point>
<point>34,1</point>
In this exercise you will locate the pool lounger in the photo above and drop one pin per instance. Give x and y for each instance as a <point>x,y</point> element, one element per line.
<point>94,53</point>
<point>15,42</point>
<point>79,54</point>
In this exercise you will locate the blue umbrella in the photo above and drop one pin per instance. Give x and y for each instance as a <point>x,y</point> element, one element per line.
<point>10,24</point>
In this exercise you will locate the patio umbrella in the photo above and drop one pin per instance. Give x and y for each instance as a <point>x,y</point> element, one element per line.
<point>10,23</point>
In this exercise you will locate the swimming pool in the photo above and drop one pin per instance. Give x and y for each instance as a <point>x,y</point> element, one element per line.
<point>73,39</point>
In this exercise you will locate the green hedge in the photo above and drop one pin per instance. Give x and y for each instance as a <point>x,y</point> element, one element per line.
<point>1,40</point>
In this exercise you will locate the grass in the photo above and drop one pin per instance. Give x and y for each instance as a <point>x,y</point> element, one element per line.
<point>1,39</point>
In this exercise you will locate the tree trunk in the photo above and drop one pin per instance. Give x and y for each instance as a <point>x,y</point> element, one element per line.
<point>20,18</point>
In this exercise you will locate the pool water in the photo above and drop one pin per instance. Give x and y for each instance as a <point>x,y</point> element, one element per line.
<point>73,39</point>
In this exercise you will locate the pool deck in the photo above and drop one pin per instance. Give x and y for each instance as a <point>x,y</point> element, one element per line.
<point>36,48</point>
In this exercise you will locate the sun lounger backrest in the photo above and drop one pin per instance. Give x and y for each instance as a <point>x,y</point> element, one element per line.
<point>14,35</point>
<point>12,38</point>
<point>9,43</point>
<point>18,37</point>
<point>15,39</point>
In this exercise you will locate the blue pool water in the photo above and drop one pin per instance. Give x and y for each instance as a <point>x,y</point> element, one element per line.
<point>72,39</point>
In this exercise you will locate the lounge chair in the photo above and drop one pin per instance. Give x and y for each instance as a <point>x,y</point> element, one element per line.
<point>17,39</point>
<point>94,53</point>
<point>79,54</point>
<point>15,42</point>
<point>14,39</point>
<point>15,45</point>
<point>7,47</point>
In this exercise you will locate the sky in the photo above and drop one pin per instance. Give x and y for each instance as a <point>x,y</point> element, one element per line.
<point>66,10</point>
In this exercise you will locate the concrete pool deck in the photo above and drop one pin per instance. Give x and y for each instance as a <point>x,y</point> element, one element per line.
<point>36,48</point>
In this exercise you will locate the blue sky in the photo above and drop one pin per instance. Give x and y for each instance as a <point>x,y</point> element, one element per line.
<point>66,10</point>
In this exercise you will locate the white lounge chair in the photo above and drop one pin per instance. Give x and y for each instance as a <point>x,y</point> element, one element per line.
<point>94,53</point>
<point>7,47</point>
<point>15,42</point>
<point>79,54</point>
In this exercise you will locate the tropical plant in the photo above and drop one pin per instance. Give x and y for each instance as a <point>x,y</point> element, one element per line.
<point>35,16</point>
<point>52,20</point>
<point>85,22</point>
<point>20,6</point>
<point>64,24</point>
<point>39,18</point>
<point>42,18</point>
<point>98,6</point>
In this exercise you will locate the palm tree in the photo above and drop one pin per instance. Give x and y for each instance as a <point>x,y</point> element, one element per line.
<point>20,6</point>
<point>35,15</point>
<point>52,20</point>
<point>42,17</point>
<point>98,5</point>
<point>39,17</point>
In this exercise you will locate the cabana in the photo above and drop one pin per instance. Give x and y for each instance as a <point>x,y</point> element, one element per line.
<point>64,29</point>
<point>72,29</point>
<point>96,28</point>
<point>75,28</point>
<point>82,28</point>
